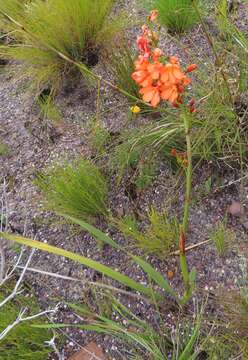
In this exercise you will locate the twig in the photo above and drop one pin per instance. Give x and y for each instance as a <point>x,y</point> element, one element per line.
<point>20,319</point>
<point>2,226</point>
<point>190,247</point>
<point>51,343</point>
<point>16,290</point>
<point>91,283</point>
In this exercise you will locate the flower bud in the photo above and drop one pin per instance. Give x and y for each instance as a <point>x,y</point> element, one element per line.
<point>153,16</point>
<point>191,68</point>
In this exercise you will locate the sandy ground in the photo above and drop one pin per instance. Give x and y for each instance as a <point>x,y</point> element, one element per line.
<point>33,145</point>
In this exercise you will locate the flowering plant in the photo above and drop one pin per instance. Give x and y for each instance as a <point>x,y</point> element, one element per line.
<point>161,79</point>
<point>158,80</point>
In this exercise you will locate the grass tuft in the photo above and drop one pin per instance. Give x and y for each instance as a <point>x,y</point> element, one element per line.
<point>78,29</point>
<point>76,189</point>
<point>222,238</point>
<point>177,15</point>
<point>159,236</point>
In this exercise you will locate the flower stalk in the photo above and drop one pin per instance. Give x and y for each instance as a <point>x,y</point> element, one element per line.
<point>188,188</point>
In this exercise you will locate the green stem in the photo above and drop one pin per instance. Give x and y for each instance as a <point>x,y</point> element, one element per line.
<point>188,174</point>
<point>188,186</point>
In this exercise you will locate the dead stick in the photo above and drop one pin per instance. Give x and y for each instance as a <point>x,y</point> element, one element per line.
<point>190,247</point>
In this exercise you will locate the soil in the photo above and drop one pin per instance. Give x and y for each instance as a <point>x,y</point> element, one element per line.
<point>35,143</point>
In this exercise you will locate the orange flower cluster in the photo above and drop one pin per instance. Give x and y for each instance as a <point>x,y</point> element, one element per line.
<point>158,81</point>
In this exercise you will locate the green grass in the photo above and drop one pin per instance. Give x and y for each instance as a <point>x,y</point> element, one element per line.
<point>222,238</point>
<point>146,143</point>
<point>141,339</point>
<point>77,189</point>
<point>4,150</point>
<point>120,63</point>
<point>23,342</point>
<point>176,15</point>
<point>159,237</point>
<point>78,29</point>
<point>99,138</point>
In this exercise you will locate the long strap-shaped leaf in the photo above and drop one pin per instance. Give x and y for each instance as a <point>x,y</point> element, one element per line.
<point>147,268</point>
<point>98,234</point>
<point>123,279</point>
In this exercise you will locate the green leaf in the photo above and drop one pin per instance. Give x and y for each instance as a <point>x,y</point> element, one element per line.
<point>150,271</point>
<point>187,352</point>
<point>155,276</point>
<point>192,277</point>
<point>123,279</point>
<point>98,234</point>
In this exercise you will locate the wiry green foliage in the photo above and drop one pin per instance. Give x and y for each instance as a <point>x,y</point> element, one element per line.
<point>99,137</point>
<point>222,238</point>
<point>177,15</point>
<point>15,8</point>
<point>159,236</point>
<point>120,63</point>
<point>77,29</point>
<point>142,339</point>
<point>143,145</point>
<point>23,342</point>
<point>76,189</point>
<point>145,340</point>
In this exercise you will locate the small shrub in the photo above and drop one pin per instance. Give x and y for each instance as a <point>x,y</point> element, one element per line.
<point>77,189</point>
<point>159,236</point>
<point>177,15</point>
<point>222,238</point>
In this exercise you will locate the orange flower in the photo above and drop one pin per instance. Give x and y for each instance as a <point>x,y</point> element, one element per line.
<point>172,73</point>
<point>169,93</point>
<point>151,95</point>
<point>154,70</point>
<point>143,45</point>
<point>157,80</point>
<point>153,16</point>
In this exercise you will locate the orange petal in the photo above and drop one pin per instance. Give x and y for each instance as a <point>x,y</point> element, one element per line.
<point>164,76</point>
<point>186,81</point>
<point>148,93</point>
<point>165,95</point>
<point>146,82</point>
<point>174,60</point>
<point>173,97</point>
<point>155,99</point>
<point>139,76</point>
